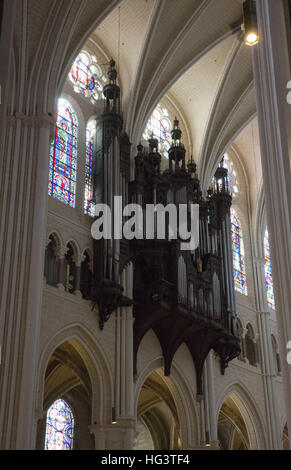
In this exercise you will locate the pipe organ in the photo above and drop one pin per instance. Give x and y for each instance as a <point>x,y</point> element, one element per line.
<point>184,296</point>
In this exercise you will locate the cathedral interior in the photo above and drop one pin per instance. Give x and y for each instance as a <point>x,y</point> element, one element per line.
<point>130,343</point>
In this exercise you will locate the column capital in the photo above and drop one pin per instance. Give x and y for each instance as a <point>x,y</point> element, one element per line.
<point>61,251</point>
<point>264,313</point>
<point>244,332</point>
<point>78,259</point>
<point>259,260</point>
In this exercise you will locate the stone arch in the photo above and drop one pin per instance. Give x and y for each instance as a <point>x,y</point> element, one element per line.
<point>57,237</point>
<point>97,366</point>
<point>183,398</point>
<point>250,412</point>
<point>64,32</point>
<point>90,119</point>
<point>77,109</point>
<point>76,248</point>
<point>51,258</point>
<point>206,168</point>
<point>90,254</point>
<point>285,435</point>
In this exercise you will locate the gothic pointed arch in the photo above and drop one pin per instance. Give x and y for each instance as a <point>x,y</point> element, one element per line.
<point>245,415</point>
<point>79,348</point>
<point>177,393</point>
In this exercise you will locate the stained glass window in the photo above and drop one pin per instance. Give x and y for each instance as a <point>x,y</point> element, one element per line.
<point>59,427</point>
<point>239,273</point>
<point>63,155</point>
<point>159,125</point>
<point>87,77</point>
<point>90,136</point>
<point>268,272</point>
<point>232,176</point>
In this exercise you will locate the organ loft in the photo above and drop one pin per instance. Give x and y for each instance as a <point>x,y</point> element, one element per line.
<point>184,296</point>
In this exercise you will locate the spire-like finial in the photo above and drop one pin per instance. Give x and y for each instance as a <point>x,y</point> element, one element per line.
<point>176,131</point>
<point>191,165</point>
<point>112,73</point>
<point>153,143</point>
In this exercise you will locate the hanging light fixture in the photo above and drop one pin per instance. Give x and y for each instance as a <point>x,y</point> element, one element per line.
<point>207,442</point>
<point>114,420</point>
<point>250,24</point>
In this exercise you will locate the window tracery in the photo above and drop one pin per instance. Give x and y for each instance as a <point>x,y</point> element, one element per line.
<point>63,155</point>
<point>87,77</point>
<point>59,427</point>
<point>159,125</point>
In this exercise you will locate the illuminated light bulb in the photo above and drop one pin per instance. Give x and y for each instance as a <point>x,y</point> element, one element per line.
<point>251,39</point>
<point>250,25</point>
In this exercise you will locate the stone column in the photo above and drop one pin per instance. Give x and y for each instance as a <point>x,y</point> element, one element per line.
<point>272,409</point>
<point>209,401</point>
<point>78,261</point>
<point>61,254</point>
<point>112,436</point>
<point>243,344</point>
<point>48,241</point>
<point>40,417</point>
<point>6,45</point>
<point>272,72</point>
<point>23,209</point>
<point>124,389</point>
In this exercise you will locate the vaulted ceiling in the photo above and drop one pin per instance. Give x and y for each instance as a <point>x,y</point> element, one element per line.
<point>190,51</point>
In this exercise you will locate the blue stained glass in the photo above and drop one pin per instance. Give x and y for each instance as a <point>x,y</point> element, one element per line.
<point>86,76</point>
<point>268,272</point>
<point>59,427</point>
<point>63,156</point>
<point>239,273</point>
<point>90,137</point>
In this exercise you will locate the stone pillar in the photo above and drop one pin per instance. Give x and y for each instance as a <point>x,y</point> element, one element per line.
<point>243,344</point>
<point>201,407</point>
<point>272,72</point>
<point>6,46</point>
<point>272,409</point>
<point>48,241</point>
<point>99,436</point>
<point>209,388</point>
<point>78,261</point>
<point>62,275</point>
<point>23,209</point>
<point>41,417</point>
<point>124,385</point>
<point>113,436</point>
